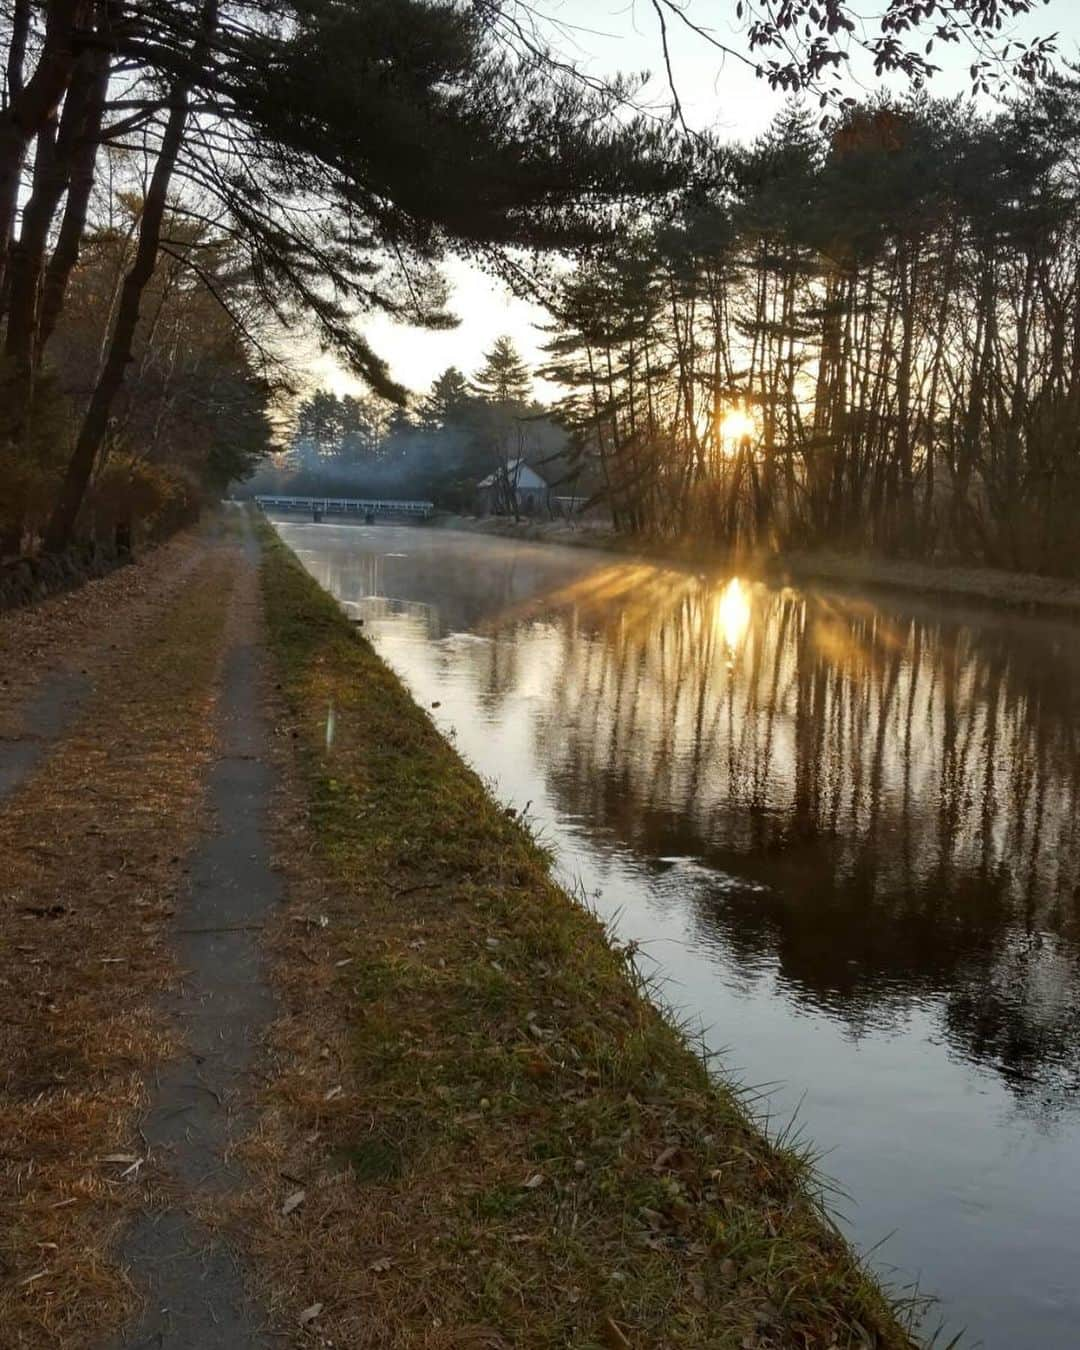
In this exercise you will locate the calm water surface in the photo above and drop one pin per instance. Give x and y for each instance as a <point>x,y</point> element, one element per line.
<point>845,830</point>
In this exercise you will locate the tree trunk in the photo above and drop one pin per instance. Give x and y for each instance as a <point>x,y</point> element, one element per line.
<point>20,31</point>
<point>27,253</point>
<point>95,422</point>
<point>19,375</point>
<point>56,149</point>
<point>83,158</point>
<point>34,103</point>
<point>13,520</point>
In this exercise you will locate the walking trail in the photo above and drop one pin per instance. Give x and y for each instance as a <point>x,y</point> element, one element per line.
<point>192,1282</point>
<point>133,793</point>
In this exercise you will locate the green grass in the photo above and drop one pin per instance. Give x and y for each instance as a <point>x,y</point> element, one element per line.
<point>544,1156</point>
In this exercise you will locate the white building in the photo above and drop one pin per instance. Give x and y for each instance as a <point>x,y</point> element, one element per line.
<point>514,488</point>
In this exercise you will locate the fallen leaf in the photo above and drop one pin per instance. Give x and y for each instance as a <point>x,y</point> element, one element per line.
<point>293,1201</point>
<point>537,1179</point>
<point>382,1265</point>
<point>310,1314</point>
<point>334,1092</point>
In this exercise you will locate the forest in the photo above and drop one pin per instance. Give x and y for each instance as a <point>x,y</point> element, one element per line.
<point>859,331</point>
<point>863,338</point>
<point>187,187</point>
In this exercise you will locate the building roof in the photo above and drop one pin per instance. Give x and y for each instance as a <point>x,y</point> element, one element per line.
<point>518,472</point>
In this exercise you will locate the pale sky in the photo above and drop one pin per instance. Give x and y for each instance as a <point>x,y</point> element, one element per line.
<point>606,36</point>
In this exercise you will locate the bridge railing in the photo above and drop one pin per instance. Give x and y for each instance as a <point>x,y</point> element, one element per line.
<point>347,506</point>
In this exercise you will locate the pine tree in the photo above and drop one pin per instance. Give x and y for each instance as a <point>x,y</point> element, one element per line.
<point>504,377</point>
<point>503,385</point>
<point>319,422</point>
<point>446,401</point>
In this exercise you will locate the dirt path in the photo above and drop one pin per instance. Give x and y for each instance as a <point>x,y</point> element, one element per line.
<point>43,718</point>
<point>193,1284</point>
<point>132,997</point>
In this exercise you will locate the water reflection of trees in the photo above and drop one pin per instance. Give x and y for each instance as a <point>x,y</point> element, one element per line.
<point>902,786</point>
<point>898,787</point>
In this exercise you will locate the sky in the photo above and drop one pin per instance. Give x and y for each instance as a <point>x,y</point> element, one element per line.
<point>716,93</point>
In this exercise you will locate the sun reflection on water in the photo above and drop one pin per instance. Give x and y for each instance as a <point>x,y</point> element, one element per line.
<point>733,614</point>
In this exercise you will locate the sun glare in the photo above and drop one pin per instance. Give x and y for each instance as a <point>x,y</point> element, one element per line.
<point>733,613</point>
<point>736,425</point>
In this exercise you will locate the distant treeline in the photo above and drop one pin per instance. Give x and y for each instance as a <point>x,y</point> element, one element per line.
<point>461,433</point>
<point>865,337</point>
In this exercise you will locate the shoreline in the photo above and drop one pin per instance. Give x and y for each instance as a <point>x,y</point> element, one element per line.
<point>521,1097</point>
<point>1023,591</point>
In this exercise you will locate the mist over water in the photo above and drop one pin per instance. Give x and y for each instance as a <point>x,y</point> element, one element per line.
<point>844,829</point>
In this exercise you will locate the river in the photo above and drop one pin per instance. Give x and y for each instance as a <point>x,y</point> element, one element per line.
<point>844,830</point>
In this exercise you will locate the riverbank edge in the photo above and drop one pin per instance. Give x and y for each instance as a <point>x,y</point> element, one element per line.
<point>558,1160</point>
<point>984,585</point>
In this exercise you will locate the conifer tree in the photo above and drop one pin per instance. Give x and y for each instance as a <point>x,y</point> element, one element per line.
<point>504,378</point>
<point>446,401</point>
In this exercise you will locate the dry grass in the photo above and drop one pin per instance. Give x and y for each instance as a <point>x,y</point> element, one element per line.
<point>499,1140</point>
<point>93,855</point>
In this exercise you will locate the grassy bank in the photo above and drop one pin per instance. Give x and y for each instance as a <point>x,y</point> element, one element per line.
<point>500,1141</point>
<point>1018,590</point>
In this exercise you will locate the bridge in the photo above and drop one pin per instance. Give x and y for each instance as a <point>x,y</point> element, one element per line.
<point>365,507</point>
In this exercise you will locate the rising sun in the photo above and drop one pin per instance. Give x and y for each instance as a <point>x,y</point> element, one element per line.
<point>736,425</point>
